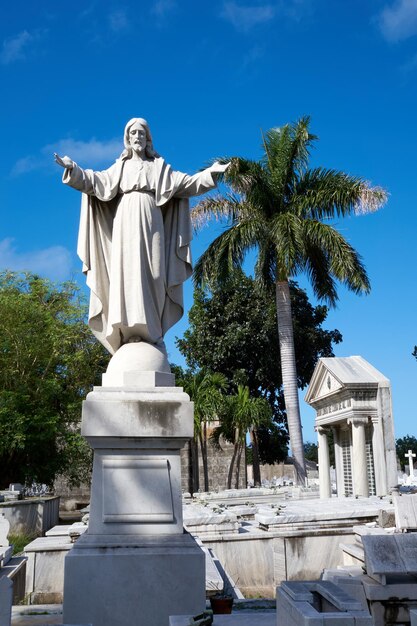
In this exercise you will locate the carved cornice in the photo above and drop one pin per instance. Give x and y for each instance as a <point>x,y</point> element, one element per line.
<point>357,421</point>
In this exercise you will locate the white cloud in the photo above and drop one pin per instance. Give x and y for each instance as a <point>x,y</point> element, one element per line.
<point>15,48</point>
<point>161,8</point>
<point>25,165</point>
<point>92,152</point>
<point>399,20</point>
<point>251,58</point>
<point>118,21</point>
<point>54,262</point>
<point>88,153</point>
<point>244,18</point>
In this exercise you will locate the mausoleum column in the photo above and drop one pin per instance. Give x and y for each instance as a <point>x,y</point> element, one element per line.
<point>380,466</point>
<point>359,467</point>
<point>324,463</point>
<point>338,457</point>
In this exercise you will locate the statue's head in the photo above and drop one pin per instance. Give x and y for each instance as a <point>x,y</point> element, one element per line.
<point>149,150</point>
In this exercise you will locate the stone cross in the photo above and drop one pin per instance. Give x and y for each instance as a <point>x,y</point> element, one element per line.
<point>410,457</point>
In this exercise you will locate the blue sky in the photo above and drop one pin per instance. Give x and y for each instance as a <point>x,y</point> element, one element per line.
<point>208,76</point>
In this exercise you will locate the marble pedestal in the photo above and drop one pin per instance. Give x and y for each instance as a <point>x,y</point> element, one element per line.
<point>135,565</point>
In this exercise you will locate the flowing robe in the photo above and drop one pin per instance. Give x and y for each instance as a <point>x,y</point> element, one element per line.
<point>134,242</point>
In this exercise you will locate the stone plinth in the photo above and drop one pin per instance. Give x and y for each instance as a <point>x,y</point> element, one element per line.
<point>318,603</point>
<point>135,565</point>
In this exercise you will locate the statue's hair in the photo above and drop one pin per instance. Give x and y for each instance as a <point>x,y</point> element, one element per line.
<point>149,149</point>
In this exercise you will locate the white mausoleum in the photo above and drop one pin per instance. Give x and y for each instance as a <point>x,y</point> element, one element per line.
<point>353,403</point>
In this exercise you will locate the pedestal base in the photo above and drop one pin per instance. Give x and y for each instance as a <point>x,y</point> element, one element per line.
<point>135,566</point>
<point>131,581</point>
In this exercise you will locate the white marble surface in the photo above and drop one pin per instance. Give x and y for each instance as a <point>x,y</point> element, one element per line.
<point>348,393</point>
<point>136,437</point>
<point>135,222</point>
<point>296,605</point>
<point>390,554</point>
<point>45,568</point>
<point>406,511</point>
<point>4,530</point>
<point>6,597</point>
<point>207,520</point>
<point>133,581</point>
<point>234,619</point>
<point>5,555</point>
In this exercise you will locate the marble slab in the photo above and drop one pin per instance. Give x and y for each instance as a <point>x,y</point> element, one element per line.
<point>4,530</point>
<point>406,511</point>
<point>6,598</point>
<point>317,604</point>
<point>234,619</point>
<point>390,554</point>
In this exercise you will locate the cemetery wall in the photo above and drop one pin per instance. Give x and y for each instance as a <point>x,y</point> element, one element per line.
<point>33,516</point>
<point>218,468</point>
<point>72,498</point>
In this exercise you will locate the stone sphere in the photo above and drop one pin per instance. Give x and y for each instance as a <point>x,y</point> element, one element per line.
<point>139,357</point>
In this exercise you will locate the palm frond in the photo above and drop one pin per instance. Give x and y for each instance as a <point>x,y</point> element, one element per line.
<point>371,199</point>
<point>251,181</point>
<point>284,231</point>
<point>324,193</point>
<point>218,207</point>
<point>287,151</point>
<point>227,252</point>
<point>266,264</point>
<point>343,262</point>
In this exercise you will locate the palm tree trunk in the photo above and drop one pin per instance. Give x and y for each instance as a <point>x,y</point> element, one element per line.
<point>238,462</point>
<point>195,479</point>
<point>256,466</point>
<point>203,446</point>
<point>289,378</point>
<point>233,459</point>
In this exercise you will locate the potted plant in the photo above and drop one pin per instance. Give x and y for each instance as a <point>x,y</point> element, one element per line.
<point>221,603</point>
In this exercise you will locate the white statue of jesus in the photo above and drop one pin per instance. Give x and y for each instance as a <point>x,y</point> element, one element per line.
<point>134,239</point>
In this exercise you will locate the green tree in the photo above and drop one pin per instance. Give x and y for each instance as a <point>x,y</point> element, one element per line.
<point>230,332</point>
<point>280,207</point>
<point>311,452</point>
<point>206,390</point>
<point>49,360</point>
<point>402,446</point>
<point>239,414</point>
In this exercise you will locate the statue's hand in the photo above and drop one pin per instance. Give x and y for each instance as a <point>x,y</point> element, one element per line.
<point>220,167</point>
<point>64,161</point>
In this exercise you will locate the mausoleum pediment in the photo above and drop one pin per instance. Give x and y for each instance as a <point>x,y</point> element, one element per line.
<point>333,374</point>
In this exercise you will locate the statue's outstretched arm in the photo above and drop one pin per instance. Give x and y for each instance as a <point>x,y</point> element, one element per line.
<point>64,161</point>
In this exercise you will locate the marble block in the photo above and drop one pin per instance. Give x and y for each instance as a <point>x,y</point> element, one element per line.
<point>6,598</point>
<point>137,437</point>
<point>235,619</point>
<point>406,511</point>
<point>204,521</point>
<point>4,530</point>
<point>135,566</point>
<point>316,604</point>
<point>5,555</point>
<point>133,581</point>
<point>387,555</point>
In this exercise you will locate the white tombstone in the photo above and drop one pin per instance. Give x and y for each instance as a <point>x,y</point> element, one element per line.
<point>411,478</point>
<point>353,400</point>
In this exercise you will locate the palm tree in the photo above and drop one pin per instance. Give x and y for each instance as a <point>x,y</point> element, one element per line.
<point>238,415</point>
<point>280,208</point>
<point>206,390</point>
